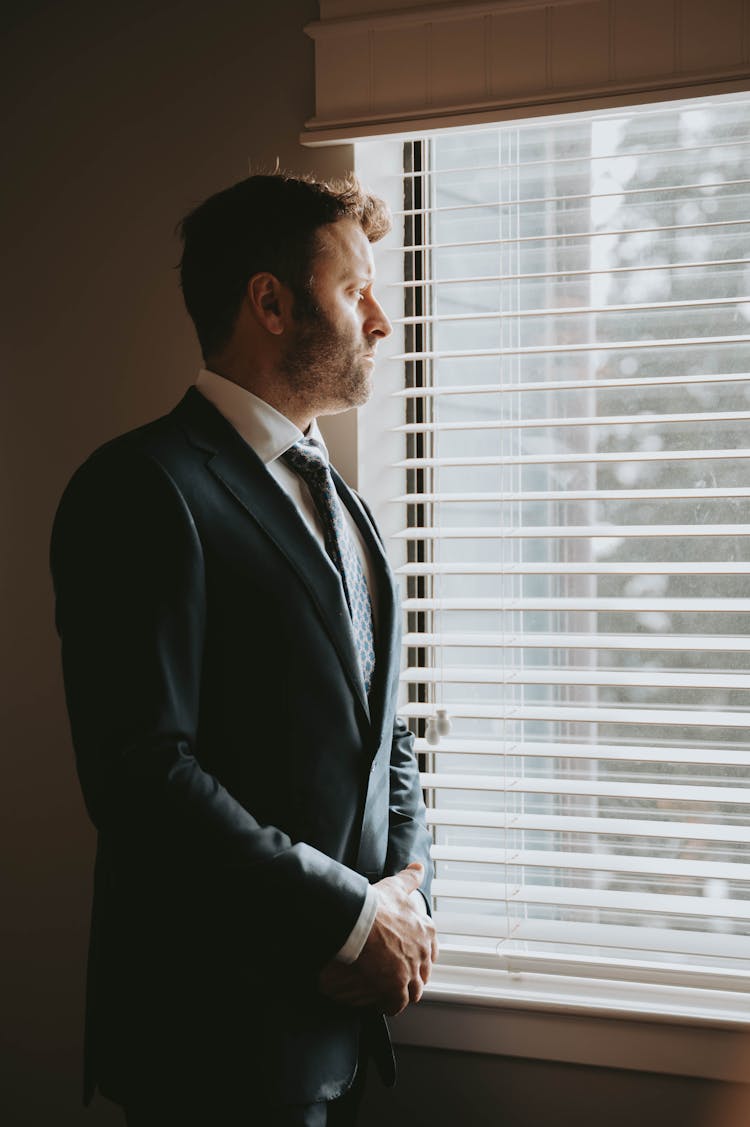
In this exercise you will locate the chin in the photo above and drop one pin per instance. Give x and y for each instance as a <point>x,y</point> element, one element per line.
<point>358,394</point>
<point>353,393</point>
<point>361,398</point>
<point>363,390</point>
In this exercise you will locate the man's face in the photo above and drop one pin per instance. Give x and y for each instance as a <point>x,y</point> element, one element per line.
<point>329,355</point>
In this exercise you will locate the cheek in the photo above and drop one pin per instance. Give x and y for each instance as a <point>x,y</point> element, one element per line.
<point>349,323</point>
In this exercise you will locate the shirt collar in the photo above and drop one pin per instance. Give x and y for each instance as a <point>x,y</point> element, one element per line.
<point>262,427</point>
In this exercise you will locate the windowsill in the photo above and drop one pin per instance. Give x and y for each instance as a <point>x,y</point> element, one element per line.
<point>653,1029</point>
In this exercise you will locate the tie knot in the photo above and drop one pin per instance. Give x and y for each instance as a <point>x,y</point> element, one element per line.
<point>307,459</point>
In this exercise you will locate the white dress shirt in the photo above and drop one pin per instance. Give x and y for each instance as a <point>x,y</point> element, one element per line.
<point>270,434</point>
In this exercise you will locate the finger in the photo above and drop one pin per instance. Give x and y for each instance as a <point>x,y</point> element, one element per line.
<point>416,987</point>
<point>396,1003</point>
<point>432,939</point>
<point>412,876</point>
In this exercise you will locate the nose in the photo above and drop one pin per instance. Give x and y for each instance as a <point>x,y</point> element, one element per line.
<point>376,323</point>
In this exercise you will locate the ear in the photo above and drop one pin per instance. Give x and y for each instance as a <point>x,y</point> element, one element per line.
<point>270,302</point>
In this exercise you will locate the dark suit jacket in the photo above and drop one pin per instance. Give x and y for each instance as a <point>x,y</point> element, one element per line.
<point>243,792</point>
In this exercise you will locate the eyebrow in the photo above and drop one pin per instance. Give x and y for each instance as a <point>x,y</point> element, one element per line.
<point>358,276</point>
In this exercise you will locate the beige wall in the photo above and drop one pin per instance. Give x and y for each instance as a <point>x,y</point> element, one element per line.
<point>118,119</point>
<point>440,1089</point>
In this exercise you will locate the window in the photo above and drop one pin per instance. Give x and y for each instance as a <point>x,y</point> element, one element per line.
<point>567,401</point>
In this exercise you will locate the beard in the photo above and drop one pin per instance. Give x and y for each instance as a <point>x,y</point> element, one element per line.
<point>325,367</point>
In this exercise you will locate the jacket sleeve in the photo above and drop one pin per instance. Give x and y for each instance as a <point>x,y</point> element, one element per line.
<point>128,571</point>
<point>408,836</point>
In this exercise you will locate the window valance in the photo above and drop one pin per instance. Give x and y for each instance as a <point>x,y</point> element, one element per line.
<point>394,70</point>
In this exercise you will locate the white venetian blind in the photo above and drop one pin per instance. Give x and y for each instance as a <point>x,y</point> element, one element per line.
<point>575,427</point>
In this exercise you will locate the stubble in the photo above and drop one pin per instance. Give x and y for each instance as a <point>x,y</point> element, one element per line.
<point>324,367</point>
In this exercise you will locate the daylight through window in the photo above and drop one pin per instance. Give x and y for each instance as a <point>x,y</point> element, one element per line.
<point>571,397</point>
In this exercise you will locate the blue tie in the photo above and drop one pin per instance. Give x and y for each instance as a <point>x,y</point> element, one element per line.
<point>309,461</point>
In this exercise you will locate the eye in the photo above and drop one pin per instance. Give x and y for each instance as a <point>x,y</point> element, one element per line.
<point>360,290</point>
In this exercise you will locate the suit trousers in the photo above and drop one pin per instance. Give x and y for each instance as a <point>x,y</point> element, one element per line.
<point>173,1112</point>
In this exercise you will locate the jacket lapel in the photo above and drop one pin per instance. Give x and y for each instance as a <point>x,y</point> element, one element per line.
<point>246,478</point>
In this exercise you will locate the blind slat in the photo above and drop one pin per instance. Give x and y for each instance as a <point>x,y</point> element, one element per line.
<point>582,457</point>
<point>622,678</point>
<point>633,605</point>
<point>551,386</point>
<point>610,232</point>
<point>605,788</point>
<point>596,567</point>
<point>641,903</point>
<point>572,531</point>
<point>428,283</point>
<point>570,311</point>
<point>564,933</point>
<point>587,197</point>
<point>657,829</point>
<point>622,753</point>
<point>553,423</point>
<point>603,967</point>
<point>596,862</point>
<point>426,173</point>
<point>656,343</point>
<point>511,639</point>
<point>572,714</point>
<point>559,495</point>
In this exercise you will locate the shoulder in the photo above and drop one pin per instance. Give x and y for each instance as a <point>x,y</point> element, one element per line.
<point>133,461</point>
<point>126,483</point>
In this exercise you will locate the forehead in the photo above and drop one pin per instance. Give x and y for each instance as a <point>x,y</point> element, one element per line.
<point>344,249</point>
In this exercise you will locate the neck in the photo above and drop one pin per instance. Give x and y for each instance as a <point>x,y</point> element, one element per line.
<point>268,384</point>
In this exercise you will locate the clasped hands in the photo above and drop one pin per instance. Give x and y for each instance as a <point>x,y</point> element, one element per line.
<point>395,962</point>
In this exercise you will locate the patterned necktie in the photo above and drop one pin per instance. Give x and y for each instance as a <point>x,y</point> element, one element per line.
<point>309,461</point>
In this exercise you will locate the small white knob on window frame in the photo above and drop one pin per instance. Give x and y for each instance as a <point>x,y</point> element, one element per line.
<point>442,722</point>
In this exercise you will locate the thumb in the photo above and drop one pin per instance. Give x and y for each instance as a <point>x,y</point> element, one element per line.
<point>412,876</point>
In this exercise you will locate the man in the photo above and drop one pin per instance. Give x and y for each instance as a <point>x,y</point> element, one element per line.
<point>230,646</point>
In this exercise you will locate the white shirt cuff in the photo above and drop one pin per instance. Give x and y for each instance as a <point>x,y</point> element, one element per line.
<point>351,950</point>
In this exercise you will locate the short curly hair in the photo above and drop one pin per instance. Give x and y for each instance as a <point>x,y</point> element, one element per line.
<point>264,223</point>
